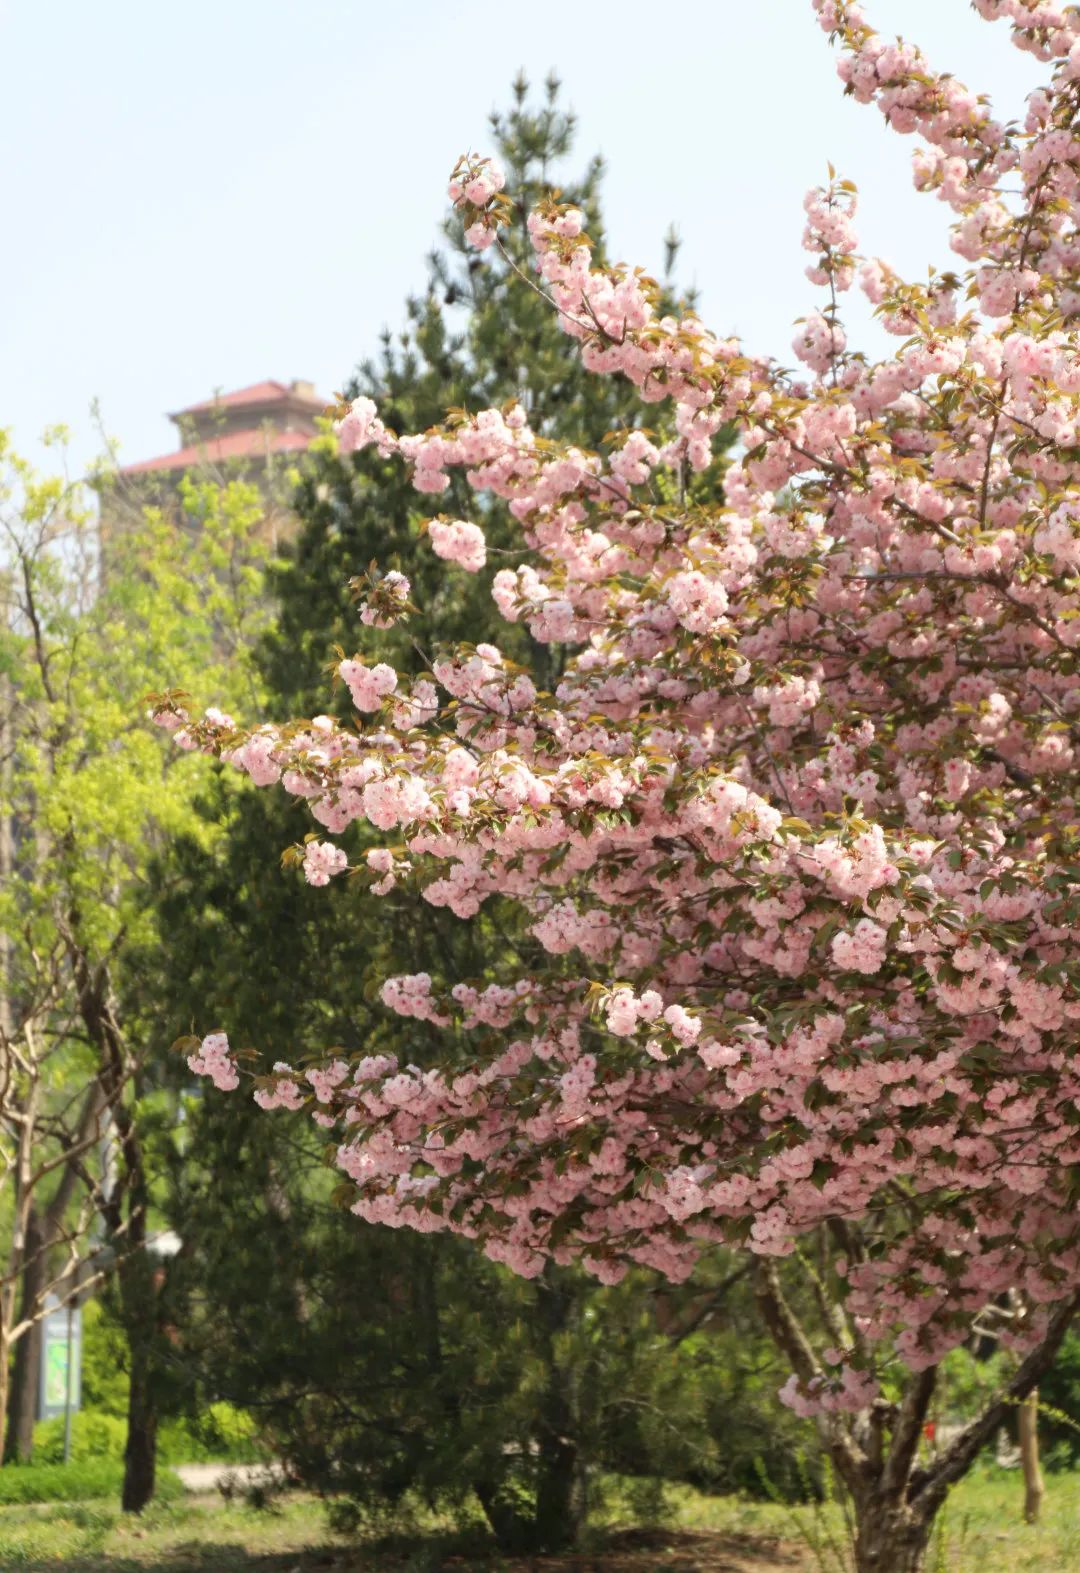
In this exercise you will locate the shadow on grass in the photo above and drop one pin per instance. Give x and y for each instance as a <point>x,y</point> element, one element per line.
<point>618,1551</point>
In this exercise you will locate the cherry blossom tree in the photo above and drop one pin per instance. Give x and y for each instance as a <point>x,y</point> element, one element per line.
<point>795,833</point>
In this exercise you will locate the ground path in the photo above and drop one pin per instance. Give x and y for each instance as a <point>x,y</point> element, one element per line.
<point>208,1477</point>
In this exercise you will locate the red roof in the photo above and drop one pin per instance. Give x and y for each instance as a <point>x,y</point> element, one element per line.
<point>234,445</point>
<point>269,392</point>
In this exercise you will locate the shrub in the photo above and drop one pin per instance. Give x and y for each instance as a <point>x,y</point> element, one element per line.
<point>95,1438</point>
<point>220,1432</point>
<point>80,1481</point>
<point>104,1355</point>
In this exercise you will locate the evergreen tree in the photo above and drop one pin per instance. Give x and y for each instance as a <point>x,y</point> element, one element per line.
<point>478,336</point>
<point>379,1362</point>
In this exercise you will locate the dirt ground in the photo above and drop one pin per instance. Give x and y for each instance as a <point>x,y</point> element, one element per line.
<point>633,1551</point>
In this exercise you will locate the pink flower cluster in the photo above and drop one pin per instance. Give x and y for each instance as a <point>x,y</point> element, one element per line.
<point>459,542</point>
<point>698,600</point>
<point>322,860</point>
<point>361,427</point>
<point>283,1091</point>
<point>368,685</point>
<point>863,950</point>
<point>830,232</point>
<point>473,184</point>
<point>387,602</point>
<point>213,1059</point>
<point>850,1391</point>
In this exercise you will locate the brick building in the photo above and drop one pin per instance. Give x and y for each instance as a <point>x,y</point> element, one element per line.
<point>252,432</point>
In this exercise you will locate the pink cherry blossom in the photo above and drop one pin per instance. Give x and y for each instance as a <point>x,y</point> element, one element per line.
<point>459,542</point>
<point>322,860</point>
<point>213,1059</point>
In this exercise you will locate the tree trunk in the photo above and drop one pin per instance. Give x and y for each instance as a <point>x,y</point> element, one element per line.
<point>139,1307</point>
<point>5,1377</point>
<point>512,1530</point>
<point>140,1316</point>
<point>7,864</point>
<point>22,1403</point>
<point>140,1313</point>
<point>140,1452</point>
<point>1028,1426</point>
<point>560,1506</point>
<point>889,1537</point>
<point>554,1519</point>
<point>26,1366</point>
<point>895,1498</point>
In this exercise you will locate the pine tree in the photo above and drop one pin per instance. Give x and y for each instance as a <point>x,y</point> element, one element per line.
<point>381,1362</point>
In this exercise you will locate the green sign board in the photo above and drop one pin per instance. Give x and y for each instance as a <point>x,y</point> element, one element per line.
<point>61,1362</point>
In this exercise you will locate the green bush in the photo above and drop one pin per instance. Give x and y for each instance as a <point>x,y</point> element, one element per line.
<point>967,1383</point>
<point>104,1360</point>
<point>1059,1406</point>
<point>95,1438</point>
<point>79,1481</point>
<point>221,1433</point>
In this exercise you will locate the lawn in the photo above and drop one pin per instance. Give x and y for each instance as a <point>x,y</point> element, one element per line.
<point>982,1534</point>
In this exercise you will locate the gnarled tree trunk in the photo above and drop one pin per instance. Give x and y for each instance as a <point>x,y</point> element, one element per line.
<point>895,1499</point>
<point>889,1536</point>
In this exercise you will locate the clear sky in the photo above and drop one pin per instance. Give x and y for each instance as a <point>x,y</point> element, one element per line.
<point>204,194</point>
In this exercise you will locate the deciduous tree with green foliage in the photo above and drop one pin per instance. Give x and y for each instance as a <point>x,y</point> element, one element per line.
<point>87,796</point>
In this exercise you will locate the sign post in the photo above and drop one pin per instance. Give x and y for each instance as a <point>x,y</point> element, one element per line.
<point>68,1373</point>
<point>60,1387</point>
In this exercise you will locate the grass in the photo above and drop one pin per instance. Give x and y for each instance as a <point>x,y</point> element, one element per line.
<point>984,1530</point>
<point>982,1533</point>
<point>981,1529</point>
<point>84,1480</point>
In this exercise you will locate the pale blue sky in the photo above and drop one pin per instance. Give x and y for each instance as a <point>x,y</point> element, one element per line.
<point>204,194</point>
